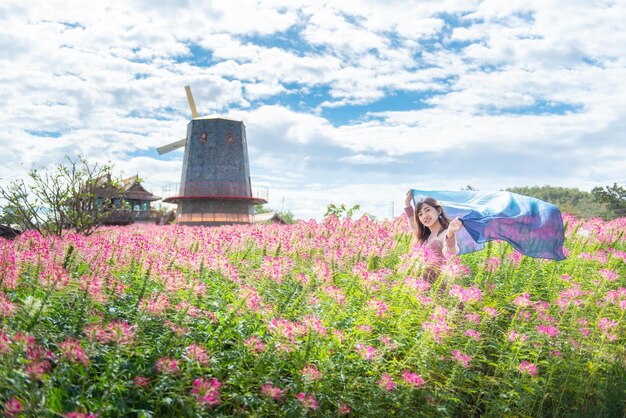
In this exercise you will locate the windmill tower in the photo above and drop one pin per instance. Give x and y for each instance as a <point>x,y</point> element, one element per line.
<point>215,187</point>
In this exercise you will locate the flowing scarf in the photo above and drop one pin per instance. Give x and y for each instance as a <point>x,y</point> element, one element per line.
<point>532,226</point>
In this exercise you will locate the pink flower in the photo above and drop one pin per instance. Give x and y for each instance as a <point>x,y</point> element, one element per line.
<point>364,328</point>
<point>570,295</point>
<point>206,391</point>
<point>308,401</point>
<point>419,285</point>
<point>492,312</point>
<point>289,330</point>
<point>310,372</point>
<point>336,294</point>
<point>473,318</point>
<point>514,336</point>
<point>117,332</point>
<point>252,298</point>
<point>5,343</point>
<point>387,341</point>
<point>492,264</point>
<point>12,407</point>
<point>472,333</point>
<point>379,306</point>
<point>548,330</point>
<point>461,358</point>
<point>343,409</point>
<point>272,392</point>
<point>72,350</point>
<point>609,275</point>
<point>515,257</point>
<point>453,268</point>
<point>168,365</point>
<point>7,308</point>
<point>339,335</point>
<point>605,324</point>
<point>255,344</point>
<point>386,382</point>
<point>80,415</point>
<point>412,379</point>
<point>527,367</point>
<point>141,381</point>
<point>523,300</point>
<point>156,305</point>
<point>315,324</point>
<point>37,369</point>
<point>437,324</point>
<point>196,353</point>
<point>469,295</point>
<point>367,352</point>
<point>39,353</point>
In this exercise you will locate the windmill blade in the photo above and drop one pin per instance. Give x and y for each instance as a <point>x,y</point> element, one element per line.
<point>171,147</point>
<point>192,103</point>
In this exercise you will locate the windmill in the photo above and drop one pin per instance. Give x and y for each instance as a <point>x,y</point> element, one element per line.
<point>215,187</point>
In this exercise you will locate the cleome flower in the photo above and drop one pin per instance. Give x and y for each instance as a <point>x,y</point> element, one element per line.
<point>71,349</point>
<point>206,392</point>
<point>307,401</point>
<point>528,368</point>
<point>412,379</point>
<point>386,382</point>
<point>273,392</point>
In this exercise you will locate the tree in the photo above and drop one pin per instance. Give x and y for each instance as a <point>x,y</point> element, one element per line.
<point>75,196</point>
<point>341,210</point>
<point>613,196</point>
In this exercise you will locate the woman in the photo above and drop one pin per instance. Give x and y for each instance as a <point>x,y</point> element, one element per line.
<point>433,228</point>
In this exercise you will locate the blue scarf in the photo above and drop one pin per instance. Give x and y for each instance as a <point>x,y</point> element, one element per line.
<point>532,226</point>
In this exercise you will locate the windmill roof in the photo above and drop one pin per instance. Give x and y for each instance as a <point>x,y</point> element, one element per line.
<point>268,217</point>
<point>134,190</point>
<point>131,189</point>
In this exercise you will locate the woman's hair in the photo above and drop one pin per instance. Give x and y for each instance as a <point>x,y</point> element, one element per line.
<point>421,232</point>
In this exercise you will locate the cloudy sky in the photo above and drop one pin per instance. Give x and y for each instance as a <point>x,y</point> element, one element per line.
<point>343,101</point>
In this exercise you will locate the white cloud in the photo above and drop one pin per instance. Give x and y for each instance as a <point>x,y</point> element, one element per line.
<point>363,159</point>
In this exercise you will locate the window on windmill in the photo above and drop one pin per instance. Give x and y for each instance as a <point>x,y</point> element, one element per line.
<point>230,139</point>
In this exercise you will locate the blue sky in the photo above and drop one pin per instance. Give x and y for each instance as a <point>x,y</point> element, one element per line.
<point>344,102</point>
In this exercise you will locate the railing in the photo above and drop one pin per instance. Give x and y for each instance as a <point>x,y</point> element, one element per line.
<point>214,188</point>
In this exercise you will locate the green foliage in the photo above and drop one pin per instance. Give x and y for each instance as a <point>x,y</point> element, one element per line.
<point>569,200</point>
<point>614,197</point>
<point>87,323</point>
<point>72,196</point>
<point>341,210</point>
<point>262,209</point>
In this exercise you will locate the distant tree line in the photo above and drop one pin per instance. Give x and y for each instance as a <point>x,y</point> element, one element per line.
<point>608,202</point>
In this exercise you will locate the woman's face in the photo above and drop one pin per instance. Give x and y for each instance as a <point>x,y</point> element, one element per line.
<point>428,215</point>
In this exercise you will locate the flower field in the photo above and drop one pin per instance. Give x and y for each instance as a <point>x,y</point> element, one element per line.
<point>326,318</point>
